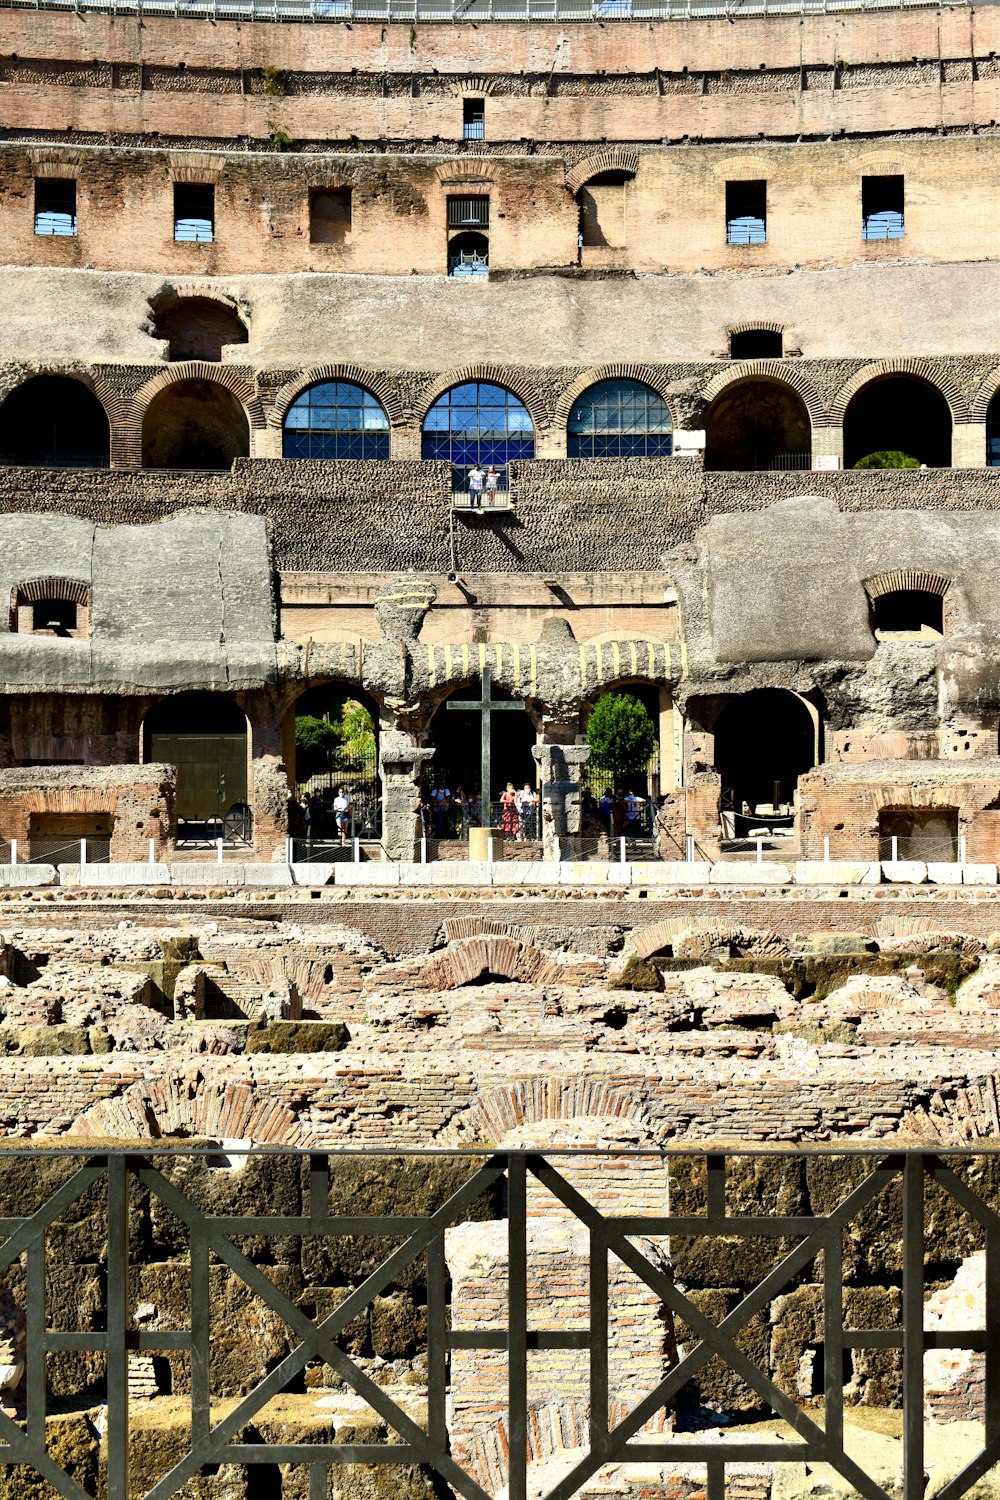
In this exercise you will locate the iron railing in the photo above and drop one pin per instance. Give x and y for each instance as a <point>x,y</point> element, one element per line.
<point>908,1200</point>
<point>473,10</point>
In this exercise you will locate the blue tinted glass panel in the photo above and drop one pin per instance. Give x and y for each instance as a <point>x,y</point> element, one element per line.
<point>478,423</point>
<point>620,419</point>
<point>336,419</point>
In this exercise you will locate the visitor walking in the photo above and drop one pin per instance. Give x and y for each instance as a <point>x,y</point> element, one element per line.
<point>525,801</point>
<point>342,814</point>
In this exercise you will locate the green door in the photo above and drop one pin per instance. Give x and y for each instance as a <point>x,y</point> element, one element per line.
<point>211,771</point>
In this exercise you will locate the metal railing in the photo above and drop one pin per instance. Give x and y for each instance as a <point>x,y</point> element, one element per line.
<point>930,1208</point>
<point>88,851</point>
<point>472,10</point>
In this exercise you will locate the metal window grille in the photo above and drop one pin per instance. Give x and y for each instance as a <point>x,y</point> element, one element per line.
<point>620,419</point>
<point>887,225</point>
<point>336,419</point>
<point>55,206</point>
<point>478,423</point>
<point>473,119</point>
<point>469,263</point>
<point>746,213</point>
<point>468,213</point>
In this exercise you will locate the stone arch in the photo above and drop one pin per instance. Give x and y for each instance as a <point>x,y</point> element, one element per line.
<point>512,380</point>
<point>234,380</point>
<point>768,369</point>
<point>374,381</point>
<point>110,401</point>
<point>647,374</point>
<point>472,170</point>
<point>530,1100</point>
<point>471,959</point>
<point>983,396</point>
<point>194,1106</point>
<point>611,159</point>
<point>479,84</point>
<point>70,591</point>
<point>172,300</point>
<point>923,369</point>
<point>908,579</point>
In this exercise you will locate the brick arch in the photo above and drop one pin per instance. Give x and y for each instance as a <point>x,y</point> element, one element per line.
<point>988,388</point>
<point>471,169</point>
<point>908,579</point>
<point>234,380</point>
<point>757,325</point>
<point>922,369</point>
<point>611,159</point>
<point>114,403</point>
<point>519,385</point>
<point>480,84</point>
<point>646,374</point>
<point>531,1100</point>
<point>469,959</point>
<point>374,381</point>
<point>768,369</point>
<point>204,1108</point>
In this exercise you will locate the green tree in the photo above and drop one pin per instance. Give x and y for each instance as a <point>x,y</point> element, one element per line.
<point>315,741</point>
<point>621,736</point>
<point>888,458</point>
<point>356,729</point>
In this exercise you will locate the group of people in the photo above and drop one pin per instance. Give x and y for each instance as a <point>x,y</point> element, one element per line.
<point>448,814</point>
<point>321,820</point>
<point>483,482</point>
<point>620,813</point>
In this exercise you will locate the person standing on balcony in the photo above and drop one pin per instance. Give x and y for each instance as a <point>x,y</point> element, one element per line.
<point>477,476</point>
<point>490,485</point>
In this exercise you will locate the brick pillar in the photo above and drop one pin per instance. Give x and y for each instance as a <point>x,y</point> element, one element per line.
<point>562,774</point>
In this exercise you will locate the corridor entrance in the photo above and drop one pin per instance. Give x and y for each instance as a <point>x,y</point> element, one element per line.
<point>205,736</point>
<point>482,732</point>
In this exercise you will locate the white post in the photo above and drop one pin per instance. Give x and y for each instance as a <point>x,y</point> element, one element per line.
<point>556,854</point>
<point>152,851</point>
<point>760,851</point>
<point>83,851</point>
<point>357,851</point>
<point>621,852</point>
<point>423,849</point>
<point>13,851</point>
<point>289,850</point>
<point>961,849</point>
<point>218,851</point>
<point>826,848</point>
<point>489,850</point>
<point>894,848</point>
<point>689,848</point>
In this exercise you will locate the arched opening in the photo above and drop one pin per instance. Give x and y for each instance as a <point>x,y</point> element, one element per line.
<point>469,254</point>
<point>624,758</point>
<point>756,343</point>
<point>603,201</point>
<point>898,415</point>
<point>336,419</point>
<point>908,614</point>
<point>457,737</point>
<point>619,419</point>
<point>993,433</point>
<point>194,424</point>
<point>764,741</point>
<point>335,746</point>
<point>53,422</point>
<point>199,328</point>
<point>205,736</point>
<point>758,424</point>
<point>478,423</point>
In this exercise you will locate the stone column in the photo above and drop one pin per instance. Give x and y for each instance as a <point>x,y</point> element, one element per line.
<point>562,769</point>
<point>402,764</point>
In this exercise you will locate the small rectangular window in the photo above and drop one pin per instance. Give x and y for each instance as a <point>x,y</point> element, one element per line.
<point>882,208</point>
<point>194,212</point>
<point>473,119</point>
<point>746,213</point>
<point>468,213</point>
<point>329,216</point>
<point>55,205</point>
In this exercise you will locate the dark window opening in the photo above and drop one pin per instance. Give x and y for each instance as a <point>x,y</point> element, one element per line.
<point>54,422</point>
<point>921,833</point>
<point>746,213</point>
<point>58,615</point>
<point>882,208</point>
<point>194,212</point>
<point>473,119</point>
<point>199,328</point>
<point>993,434</point>
<point>898,415</point>
<point>758,424</point>
<point>602,209</point>
<point>329,216</point>
<point>469,255</point>
<point>908,612</point>
<point>756,343</point>
<point>55,206</point>
<point>468,213</point>
<point>194,424</point>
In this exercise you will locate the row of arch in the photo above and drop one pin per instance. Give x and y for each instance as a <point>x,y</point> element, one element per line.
<point>755,421</point>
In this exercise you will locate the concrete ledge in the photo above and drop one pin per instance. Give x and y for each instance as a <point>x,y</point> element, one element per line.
<point>671,872</point>
<point>312,875</point>
<point>904,871</point>
<point>979,874</point>
<point>739,872</point>
<point>523,872</point>
<point>207,873</point>
<point>837,872</point>
<point>267,874</point>
<point>377,872</point>
<point>944,872</point>
<point>594,872</point>
<point>28,875</point>
<point>114,874</point>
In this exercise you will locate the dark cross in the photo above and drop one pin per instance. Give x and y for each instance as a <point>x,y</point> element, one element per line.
<point>486,705</point>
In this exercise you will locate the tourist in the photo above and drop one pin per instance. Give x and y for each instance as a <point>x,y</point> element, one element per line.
<point>426,814</point>
<point>633,812</point>
<point>524,801</point>
<point>618,813</point>
<point>509,821</point>
<point>477,476</point>
<point>604,807</point>
<point>490,485</point>
<point>441,802</point>
<point>305,807</point>
<point>342,814</point>
<point>459,810</point>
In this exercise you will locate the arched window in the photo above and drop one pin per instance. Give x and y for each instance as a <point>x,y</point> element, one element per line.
<point>336,419</point>
<point>758,424</point>
<point>54,422</point>
<point>620,419</point>
<point>993,434</point>
<point>908,605</point>
<point>194,424</point>
<point>478,423</point>
<point>199,328</point>
<point>895,417</point>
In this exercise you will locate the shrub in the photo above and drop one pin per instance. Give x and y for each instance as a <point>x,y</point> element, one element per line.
<point>889,458</point>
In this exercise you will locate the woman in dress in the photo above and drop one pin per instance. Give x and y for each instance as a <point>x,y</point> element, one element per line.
<point>508,811</point>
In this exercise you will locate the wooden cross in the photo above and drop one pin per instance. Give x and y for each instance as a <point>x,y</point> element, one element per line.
<point>486,705</point>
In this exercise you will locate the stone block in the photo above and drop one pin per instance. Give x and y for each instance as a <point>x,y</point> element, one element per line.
<point>671,872</point>
<point>209,873</point>
<point>461,872</point>
<point>377,872</point>
<point>594,872</point>
<point>123,874</point>
<point>979,874</point>
<point>28,875</point>
<point>526,872</point>
<point>904,871</point>
<point>837,872</point>
<point>312,875</point>
<point>944,872</point>
<point>749,872</point>
<point>267,875</point>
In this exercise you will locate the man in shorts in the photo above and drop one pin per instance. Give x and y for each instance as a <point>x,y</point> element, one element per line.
<point>342,814</point>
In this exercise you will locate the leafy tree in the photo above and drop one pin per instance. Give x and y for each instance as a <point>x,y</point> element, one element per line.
<point>315,741</point>
<point>356,729</point>
<point>889,458</point>
<point>621,736</point>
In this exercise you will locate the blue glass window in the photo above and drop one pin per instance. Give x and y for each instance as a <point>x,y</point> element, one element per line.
<point>478,423</point>
<point>620,419</point>
<point>336,419</point>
